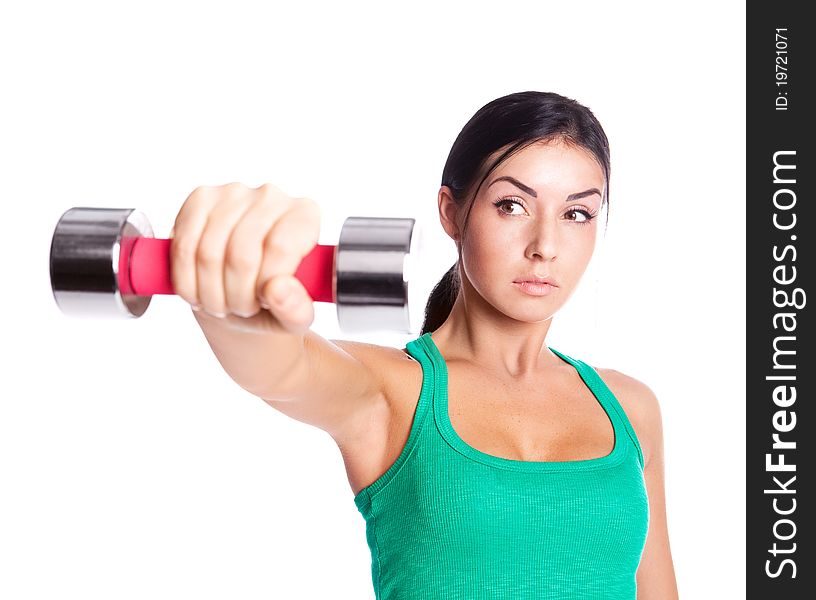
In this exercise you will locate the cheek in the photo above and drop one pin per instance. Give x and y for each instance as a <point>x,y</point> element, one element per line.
<point>481,264</point>
<point>584,246</point>
<point>489,250</point>
<point>485,256</point>
<point>575,263</point>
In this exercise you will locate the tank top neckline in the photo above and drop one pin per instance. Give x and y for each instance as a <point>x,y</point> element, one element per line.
<point>590,378</point>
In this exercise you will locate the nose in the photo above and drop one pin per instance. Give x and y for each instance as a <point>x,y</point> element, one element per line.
<point>544,240</point>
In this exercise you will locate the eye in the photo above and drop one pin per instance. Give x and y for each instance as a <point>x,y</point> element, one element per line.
<point>588,216</point>
<point>501,202</point>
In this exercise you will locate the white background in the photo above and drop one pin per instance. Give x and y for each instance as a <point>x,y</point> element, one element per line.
<point>131,466</point>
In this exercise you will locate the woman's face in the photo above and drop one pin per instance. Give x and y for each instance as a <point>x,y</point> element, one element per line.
<point>543,224</point>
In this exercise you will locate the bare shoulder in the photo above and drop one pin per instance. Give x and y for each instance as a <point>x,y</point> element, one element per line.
<point>372,354</point>
<point>386,362</point>
<point>374,441</point>
<point>641,406</point>
<point>396,373</point>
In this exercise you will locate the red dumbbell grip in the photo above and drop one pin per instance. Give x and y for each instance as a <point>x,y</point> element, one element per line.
<point>144,269</point>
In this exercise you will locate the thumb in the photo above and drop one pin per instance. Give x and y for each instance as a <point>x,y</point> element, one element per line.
<point>289,302</point>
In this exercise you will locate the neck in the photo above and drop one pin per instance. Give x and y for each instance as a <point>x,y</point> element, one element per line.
<point>479,333</point>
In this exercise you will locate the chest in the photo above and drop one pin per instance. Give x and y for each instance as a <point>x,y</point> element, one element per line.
<point>556,418</point>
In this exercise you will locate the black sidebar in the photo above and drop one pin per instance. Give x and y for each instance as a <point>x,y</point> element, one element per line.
<point>781,362</point>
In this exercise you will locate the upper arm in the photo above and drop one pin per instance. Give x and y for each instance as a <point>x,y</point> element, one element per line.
<point>655,575</point>
<point>340,388</point>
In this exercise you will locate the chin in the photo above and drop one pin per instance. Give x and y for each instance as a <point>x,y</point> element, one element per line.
<point>532,320</point>
<point>532,313</point>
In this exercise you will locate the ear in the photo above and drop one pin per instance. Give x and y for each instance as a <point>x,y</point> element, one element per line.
<point>449,213</point>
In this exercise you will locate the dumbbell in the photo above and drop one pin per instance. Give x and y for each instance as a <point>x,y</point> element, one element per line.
<point>105,262</point>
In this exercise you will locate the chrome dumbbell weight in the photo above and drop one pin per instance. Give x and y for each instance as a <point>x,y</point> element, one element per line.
<point>106,262</point>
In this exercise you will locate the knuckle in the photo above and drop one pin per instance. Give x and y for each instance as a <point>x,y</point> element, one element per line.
<point>269,188</point>
<point>307,210</point>
<point>308,204</point>
<point>272,195</point>
<point>238,257</point>
<point>234,186</point>
<point>199,194</point>
<point>277,243</point>
<point>208,256</point>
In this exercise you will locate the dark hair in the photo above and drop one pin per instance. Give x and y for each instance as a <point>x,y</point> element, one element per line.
<point>516,121</point>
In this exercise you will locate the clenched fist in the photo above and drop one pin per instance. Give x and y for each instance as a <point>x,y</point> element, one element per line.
<point>234,253</point>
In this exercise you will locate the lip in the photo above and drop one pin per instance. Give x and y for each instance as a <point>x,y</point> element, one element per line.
<point>536,279</point>
<point>535,289</point>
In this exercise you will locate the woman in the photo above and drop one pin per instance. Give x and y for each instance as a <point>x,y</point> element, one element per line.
<point>485,463</point>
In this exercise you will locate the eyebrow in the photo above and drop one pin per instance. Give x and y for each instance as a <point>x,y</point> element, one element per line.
<point>528,190</point>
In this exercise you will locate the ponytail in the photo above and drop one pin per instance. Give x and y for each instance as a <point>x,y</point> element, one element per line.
<point>440,302</point>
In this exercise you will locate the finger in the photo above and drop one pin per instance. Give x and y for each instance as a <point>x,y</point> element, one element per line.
<point>291,238</point>
<point>232,204</point>
<point>291,304</point>
<point>189,224</point>
<point>244,253</point>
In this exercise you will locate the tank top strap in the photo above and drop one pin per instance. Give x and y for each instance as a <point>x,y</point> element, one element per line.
<point>422,411</point>
<point>429,389</point>
<point>598,386</point>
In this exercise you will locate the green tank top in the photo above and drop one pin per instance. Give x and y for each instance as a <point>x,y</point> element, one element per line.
<point>449,521</point>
